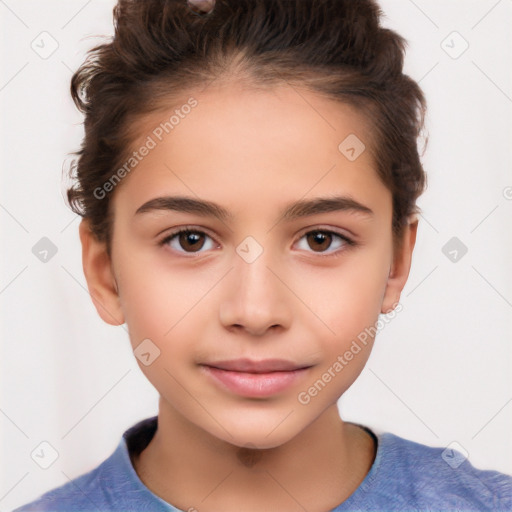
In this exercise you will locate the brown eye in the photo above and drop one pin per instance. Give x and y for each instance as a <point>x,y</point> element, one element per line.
<point>187,240</point>
<point>321,239</point>
<point>190,240</point>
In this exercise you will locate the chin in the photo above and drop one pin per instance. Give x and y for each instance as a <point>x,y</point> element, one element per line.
<point>257,441</point>
<point>256,434</point>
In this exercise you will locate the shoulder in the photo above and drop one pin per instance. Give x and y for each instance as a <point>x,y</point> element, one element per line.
<point>112,485</point>
<point>428,478</point>
<point>82,493</point>
<point>87,492</point>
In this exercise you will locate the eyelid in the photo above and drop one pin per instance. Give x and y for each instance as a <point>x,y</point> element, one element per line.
<point>188,227</point>
<point>344,231</point>
<point>177,230</point>
<point>347,242</point>
<point>329,229</point>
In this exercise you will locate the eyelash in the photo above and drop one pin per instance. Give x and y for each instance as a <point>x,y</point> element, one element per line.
<point>190,229</point>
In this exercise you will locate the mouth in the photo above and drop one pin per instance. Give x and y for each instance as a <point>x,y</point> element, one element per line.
<point>255,379</point>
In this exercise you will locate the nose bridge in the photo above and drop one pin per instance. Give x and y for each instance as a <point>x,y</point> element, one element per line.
<point>255,299</point>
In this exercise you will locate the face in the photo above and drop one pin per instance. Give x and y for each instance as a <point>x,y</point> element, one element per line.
<point>255,279</point>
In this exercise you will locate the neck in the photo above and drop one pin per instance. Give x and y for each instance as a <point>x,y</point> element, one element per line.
<point>190,468</point>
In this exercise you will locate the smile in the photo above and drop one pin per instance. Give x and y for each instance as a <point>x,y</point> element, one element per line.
<point>255,379</point>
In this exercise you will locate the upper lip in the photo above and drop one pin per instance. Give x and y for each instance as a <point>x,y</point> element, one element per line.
<point>263,366</point>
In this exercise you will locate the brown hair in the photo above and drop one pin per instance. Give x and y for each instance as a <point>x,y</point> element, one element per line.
<point>163,49</point>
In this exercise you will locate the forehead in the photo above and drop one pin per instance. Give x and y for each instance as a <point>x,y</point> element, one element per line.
<point>265,144</point>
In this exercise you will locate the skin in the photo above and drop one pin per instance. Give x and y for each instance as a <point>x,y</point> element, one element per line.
<point>252,152</point>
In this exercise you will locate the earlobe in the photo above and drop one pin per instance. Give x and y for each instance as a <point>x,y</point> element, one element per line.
<point>100,279</point>
<point>400,268</point>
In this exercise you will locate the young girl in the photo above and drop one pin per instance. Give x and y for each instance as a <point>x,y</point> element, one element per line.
<point>248,183</point>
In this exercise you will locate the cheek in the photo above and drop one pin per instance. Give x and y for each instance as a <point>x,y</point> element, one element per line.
<point>348,301</point>
<point>348,298</point>
<point>349,312</point>
<point>158,299</point>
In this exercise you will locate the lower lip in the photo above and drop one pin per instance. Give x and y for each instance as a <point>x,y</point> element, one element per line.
<point>255,385</point>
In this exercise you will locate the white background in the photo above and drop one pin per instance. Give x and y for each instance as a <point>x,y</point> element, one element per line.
<point>440,371</point>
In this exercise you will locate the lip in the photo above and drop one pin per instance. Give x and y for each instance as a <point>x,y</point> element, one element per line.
<point>255,379</point>
<point>251,366</point>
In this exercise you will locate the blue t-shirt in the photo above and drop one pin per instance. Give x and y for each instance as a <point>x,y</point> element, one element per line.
<point>404,476</point>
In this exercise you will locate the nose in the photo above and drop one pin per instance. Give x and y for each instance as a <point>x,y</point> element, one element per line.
<point>255,297</point>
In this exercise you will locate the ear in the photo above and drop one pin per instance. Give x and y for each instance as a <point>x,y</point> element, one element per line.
<point>99,276</point>
<point>400,267</point>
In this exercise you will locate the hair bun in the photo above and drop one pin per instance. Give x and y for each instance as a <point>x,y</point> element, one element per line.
<point>201,6</point>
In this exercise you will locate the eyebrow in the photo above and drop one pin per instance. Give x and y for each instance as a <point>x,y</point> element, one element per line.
<point>292,211</point>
